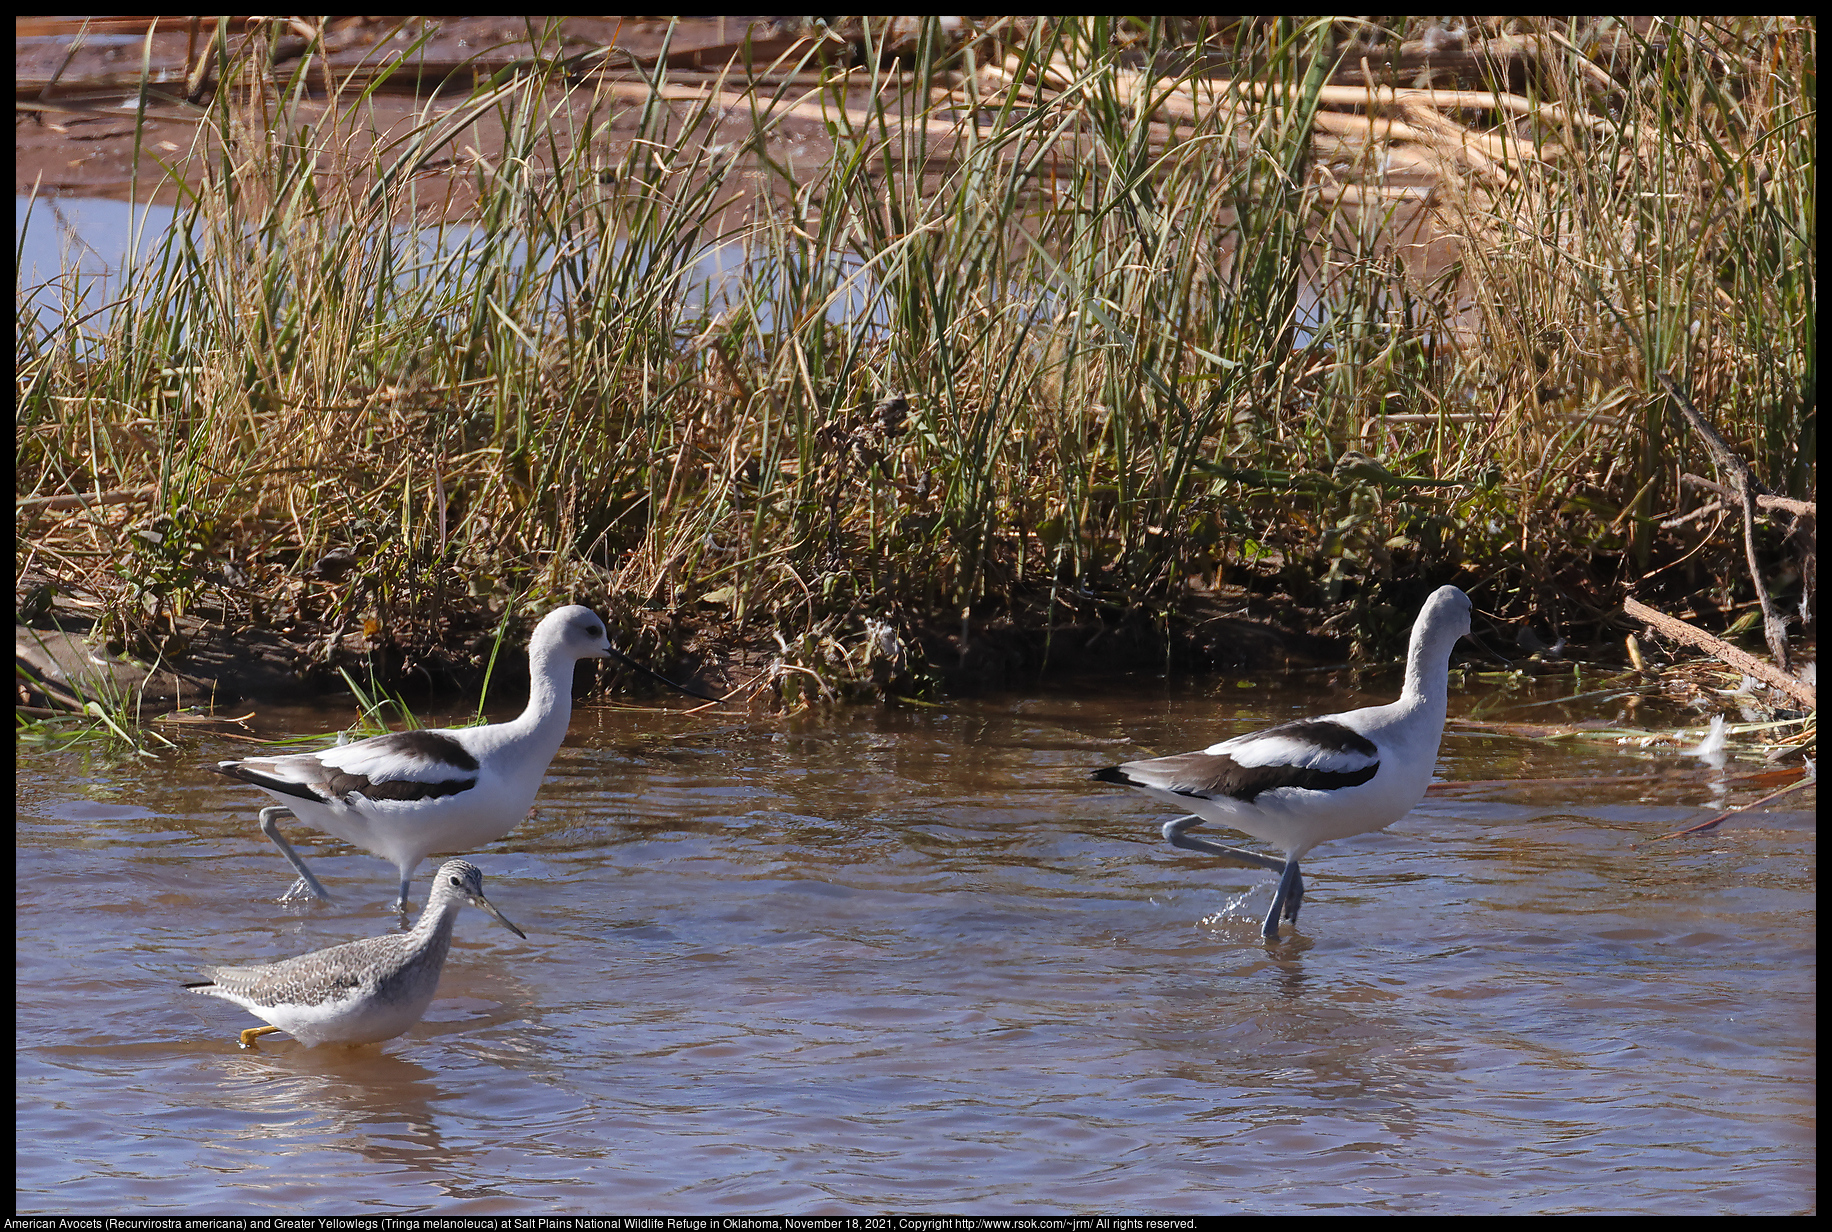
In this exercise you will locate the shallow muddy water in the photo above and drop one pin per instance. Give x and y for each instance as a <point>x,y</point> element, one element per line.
<point>913,961</point>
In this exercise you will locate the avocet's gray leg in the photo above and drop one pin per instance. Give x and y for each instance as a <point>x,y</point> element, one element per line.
<point>400,904</point>
<point>307,883</point>
<point>1290,894</point>
<point>1174,831</point>
<point>1285,899</point>
<point>1294,899</point>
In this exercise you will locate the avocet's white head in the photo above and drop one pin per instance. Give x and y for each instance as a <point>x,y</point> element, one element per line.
<point>1445,617</point>
<point>571,632</point>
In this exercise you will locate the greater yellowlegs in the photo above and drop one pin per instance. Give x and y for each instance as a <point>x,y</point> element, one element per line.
<point>360,992</point>
<point>1309,781</point>
<point>408,794</point>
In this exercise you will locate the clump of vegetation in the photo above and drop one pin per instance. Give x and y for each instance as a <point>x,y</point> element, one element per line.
<point>1063,326</point>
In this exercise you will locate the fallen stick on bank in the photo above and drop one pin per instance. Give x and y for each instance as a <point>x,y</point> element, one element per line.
<point>1742,660</point>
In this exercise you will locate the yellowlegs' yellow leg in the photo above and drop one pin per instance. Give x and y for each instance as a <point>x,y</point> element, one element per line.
<point>253,1033</point>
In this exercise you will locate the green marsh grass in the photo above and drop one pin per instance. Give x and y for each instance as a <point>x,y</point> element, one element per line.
<point>1135,324</point>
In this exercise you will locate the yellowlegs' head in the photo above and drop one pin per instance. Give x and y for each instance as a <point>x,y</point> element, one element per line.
<point>462,880</point>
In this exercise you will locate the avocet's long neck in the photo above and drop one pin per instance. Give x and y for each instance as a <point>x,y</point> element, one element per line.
<point>541,727</point>
<point>1427,686</point>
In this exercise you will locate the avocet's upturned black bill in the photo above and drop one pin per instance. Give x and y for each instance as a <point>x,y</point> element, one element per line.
<point>1307,782</point>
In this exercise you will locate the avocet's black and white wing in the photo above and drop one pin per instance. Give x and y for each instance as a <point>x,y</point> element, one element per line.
<point>402,766</point>
<point>1312,754</point>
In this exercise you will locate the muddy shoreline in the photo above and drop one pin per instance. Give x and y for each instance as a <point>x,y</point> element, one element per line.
<point>209,666</point>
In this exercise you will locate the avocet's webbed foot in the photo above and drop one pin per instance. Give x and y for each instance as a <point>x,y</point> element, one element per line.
<point>1296,897</point>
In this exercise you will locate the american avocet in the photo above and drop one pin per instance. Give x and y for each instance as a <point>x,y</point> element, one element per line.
<point>360,992</point>
<point>408,794</point>
<point>1309,781</point>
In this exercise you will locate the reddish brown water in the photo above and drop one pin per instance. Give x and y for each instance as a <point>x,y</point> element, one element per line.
<point>895,961</point>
